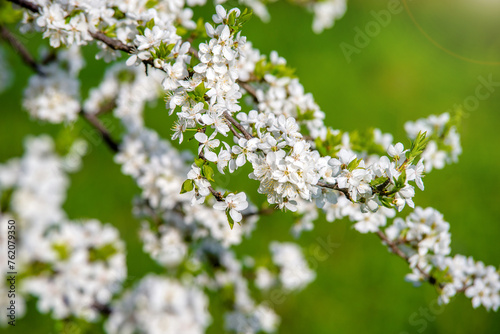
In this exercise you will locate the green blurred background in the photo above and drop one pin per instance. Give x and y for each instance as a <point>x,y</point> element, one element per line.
<point>400,75</point>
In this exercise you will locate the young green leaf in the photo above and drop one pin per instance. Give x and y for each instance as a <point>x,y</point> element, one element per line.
<point>230,220</point>
<point>208,172</point>
<point>187,186</point>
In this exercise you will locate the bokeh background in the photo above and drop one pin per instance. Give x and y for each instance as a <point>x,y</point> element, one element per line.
<point>406,71</point>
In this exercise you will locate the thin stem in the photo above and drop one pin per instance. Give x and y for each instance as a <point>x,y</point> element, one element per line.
<point>27,4</point>
<point>396,250</point>
<point>334,187</point>
<point>250,90</point>
<point>112,43</point>
<point>233,130</point>
<point>240,127</point>
<point>20,49</point>
<point>218,196</point>
<point>105,134</point>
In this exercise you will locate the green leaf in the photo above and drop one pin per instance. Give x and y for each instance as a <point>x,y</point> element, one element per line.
<point>418,146</point>
<point>400,183</point>
<point>163,50</point>
<point>307,115</point>
<point>386,201</point>
<point>245,16</point>
<point>181,31</point>
<point>230,220</point>
<point>199,162</point>
<point>110,31</point>
<point>61,250</point>
<point>72,15</point>
<point>200,90</point>
<point>151,3</point>
<point>102,253</point>
<point>378,181</point>
<point>208,172</point>
<point>319,146</point>
<point>353,164</point>
<point>187,186</point>
<point>231,20</point>
<point>119,15</point>
<point>150,24</point>
<point>200,29</point>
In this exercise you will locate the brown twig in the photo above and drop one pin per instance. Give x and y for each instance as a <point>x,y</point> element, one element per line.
<point>27,4</point>
<point>118,45</point>
<point>261,212</point>
<point>233,130</point>
<point>218,196</point>
<point>20,49</point>
<point>334,187</point>
<point>240,127</point>
<point>94,121</point>
<point>250,90</point>
<point>111,42</point>
<point>397,251</point>
<point>193,51</point>
<point>107,107</point>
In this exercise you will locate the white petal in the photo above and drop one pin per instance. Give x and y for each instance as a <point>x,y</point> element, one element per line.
<point>220,206</point>
<point>225,33</point>
<point>210,156</point>
<point>220,11</point>
<point>235,215</point>
<point>201,137</point>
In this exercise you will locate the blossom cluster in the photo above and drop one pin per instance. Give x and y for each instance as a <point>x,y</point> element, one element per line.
<point>70,266</point>
<point>84,266</point>
<point>53,95</point>
<point>160,305</point>
<point>76,22</point>
<point>481,283</point>
<point>294,271</point>
<point>188,236</point>
<point>425,239</point>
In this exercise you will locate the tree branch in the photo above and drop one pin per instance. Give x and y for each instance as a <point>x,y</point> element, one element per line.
<point>233,130</point>
<point>240,127</point>
<point>111,42</point>
<point>397,251</point>
<point>118,45</point>
<point>27,4</point>
<point>20,49</point>
<point>94,121</point>
<point>334,187</point>
<point>250,90</point>
<point>33,64</point>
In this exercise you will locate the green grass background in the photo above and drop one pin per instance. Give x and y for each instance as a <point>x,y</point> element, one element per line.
<point>399,76</point>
